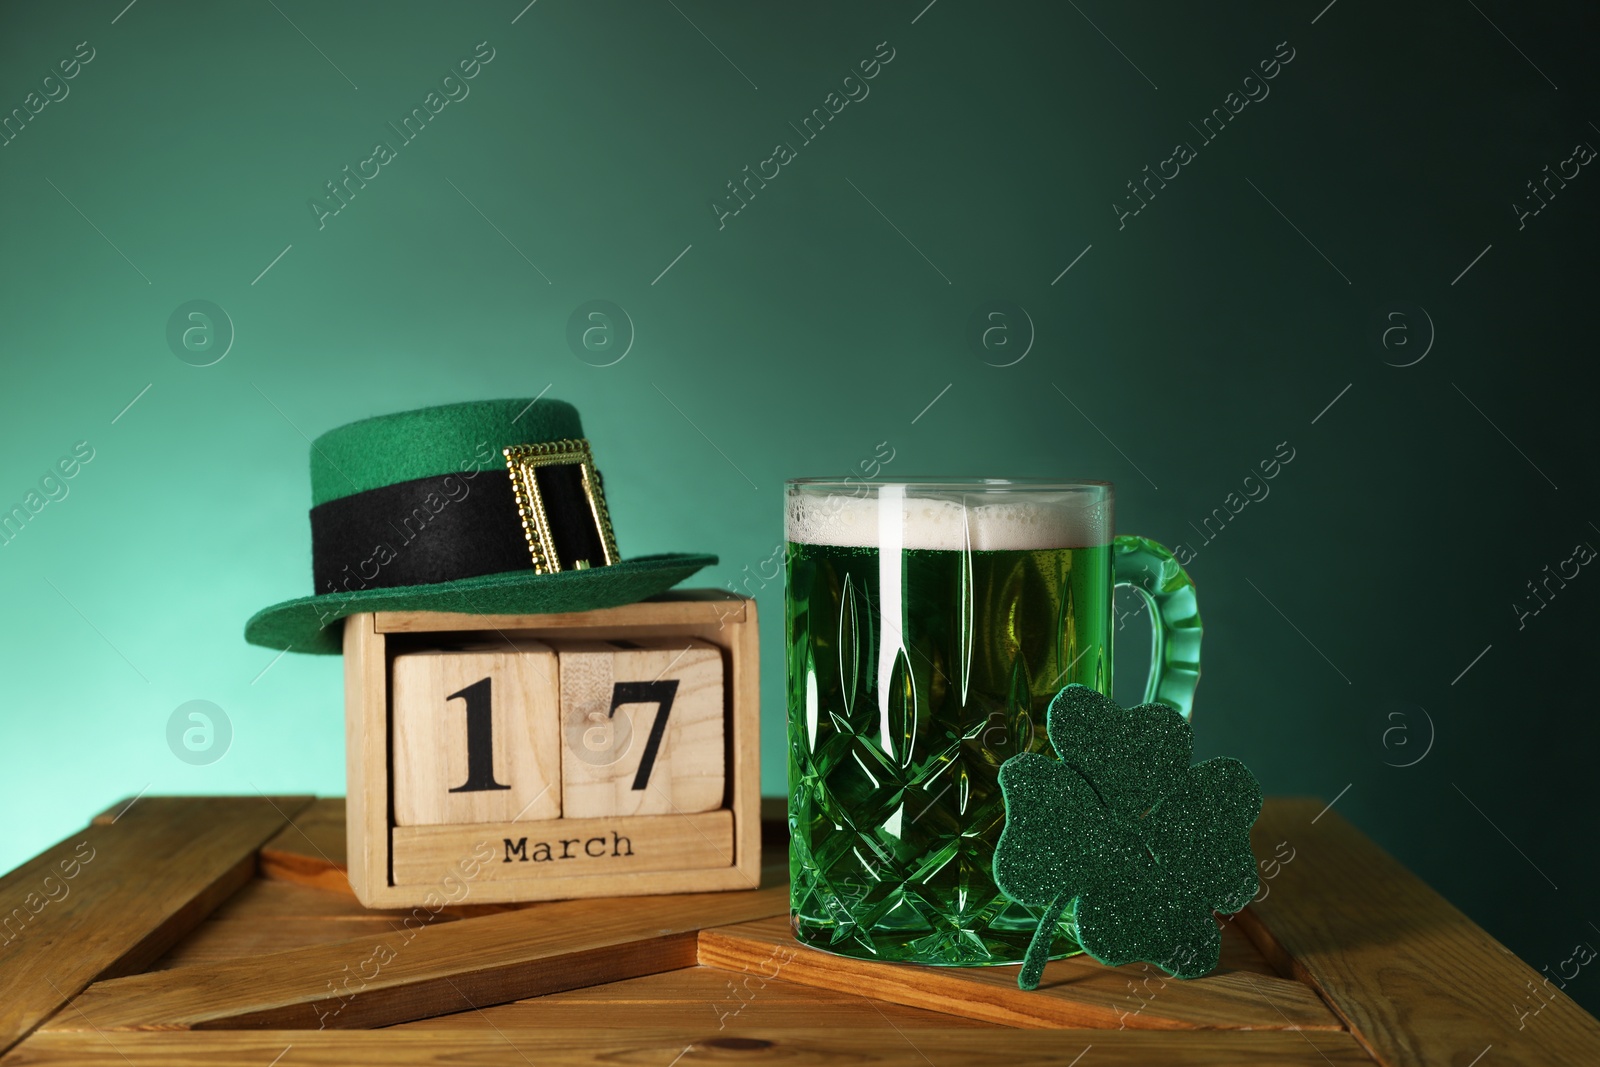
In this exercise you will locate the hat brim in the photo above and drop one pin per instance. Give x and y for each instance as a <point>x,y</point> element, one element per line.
<point>307,624</point>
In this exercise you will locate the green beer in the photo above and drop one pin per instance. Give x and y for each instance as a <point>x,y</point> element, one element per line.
<point>928,627</point>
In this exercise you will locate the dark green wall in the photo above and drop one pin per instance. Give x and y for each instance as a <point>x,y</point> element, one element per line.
<point>1192,339</point>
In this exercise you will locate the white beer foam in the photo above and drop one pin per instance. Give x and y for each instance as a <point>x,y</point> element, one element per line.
<point>1043,520</point>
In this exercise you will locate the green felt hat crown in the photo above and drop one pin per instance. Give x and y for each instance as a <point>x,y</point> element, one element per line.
<point>426,511</point>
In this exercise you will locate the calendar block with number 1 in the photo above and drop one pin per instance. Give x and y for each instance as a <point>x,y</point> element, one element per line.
<point>475,740</point>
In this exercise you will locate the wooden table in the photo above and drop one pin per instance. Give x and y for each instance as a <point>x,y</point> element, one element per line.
<point>211,930</point>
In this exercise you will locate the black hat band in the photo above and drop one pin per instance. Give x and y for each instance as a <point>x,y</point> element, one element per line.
<point>552,517</point>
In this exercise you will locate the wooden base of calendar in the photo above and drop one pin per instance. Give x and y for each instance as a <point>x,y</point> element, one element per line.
<point>551,859</point>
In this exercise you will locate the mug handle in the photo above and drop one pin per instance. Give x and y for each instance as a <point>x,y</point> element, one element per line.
<point>1153,572</point>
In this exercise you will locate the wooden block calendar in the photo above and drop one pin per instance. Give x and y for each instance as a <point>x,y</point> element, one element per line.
<point>539,757</point>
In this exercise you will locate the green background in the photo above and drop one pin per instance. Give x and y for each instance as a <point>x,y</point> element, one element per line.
<point>1340,612</point>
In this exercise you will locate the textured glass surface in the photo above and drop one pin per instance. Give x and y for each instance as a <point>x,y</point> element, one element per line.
<point>898,724</point>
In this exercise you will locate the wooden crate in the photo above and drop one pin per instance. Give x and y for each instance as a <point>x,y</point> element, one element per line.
<point>397,866</point>
<point>220,930</point>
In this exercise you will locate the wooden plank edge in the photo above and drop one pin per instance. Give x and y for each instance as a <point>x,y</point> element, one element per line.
<point>561,1047</point>
<point>441,994</point>
<point>744,741</point>
<point>311,851</point>
<point>302,870</point>
<point>447,994</point>
<point>687,607</point>
<point>1571,1037</point>
<point>149,947</point>
<point>946,990</point>
<point>434,970</point>
<point>366,760</point>
<point>111,814</point>
<point>194,911</point>
<point>190,915</point>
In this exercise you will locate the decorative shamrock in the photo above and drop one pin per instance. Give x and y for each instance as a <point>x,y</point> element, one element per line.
<point>1142,846</point>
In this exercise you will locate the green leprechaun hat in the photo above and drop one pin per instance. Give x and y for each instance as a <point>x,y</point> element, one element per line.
<point>491,507</point>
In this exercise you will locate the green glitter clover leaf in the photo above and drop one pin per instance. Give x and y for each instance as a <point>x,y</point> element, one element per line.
<point>1121,829</point>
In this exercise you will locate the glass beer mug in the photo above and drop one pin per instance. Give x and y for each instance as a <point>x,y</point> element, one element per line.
<point>928,624</point>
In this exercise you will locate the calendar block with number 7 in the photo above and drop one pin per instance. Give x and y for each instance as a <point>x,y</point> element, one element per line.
<point>642,723</point>
<point>539,757</point>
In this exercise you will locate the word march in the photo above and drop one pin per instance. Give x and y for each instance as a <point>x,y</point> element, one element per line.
<point>542,851</point>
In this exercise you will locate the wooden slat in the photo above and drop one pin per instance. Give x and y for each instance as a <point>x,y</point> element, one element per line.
<point>271,916</point>
<point>311,850</point>
<point>677,608</point>
<point>311,853</point>
<point>366,759</point>
<point>217,940</point>
<point>699,999</point>
<point>380,979</point>
<point>267,899</point>
<point>111,814</point>
<point>688,1045</point>
<point>744,735</point>
<point>138,885</point>
<point>1074,992</point>
<point>1239,953</point>
<point>1415,980</point>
